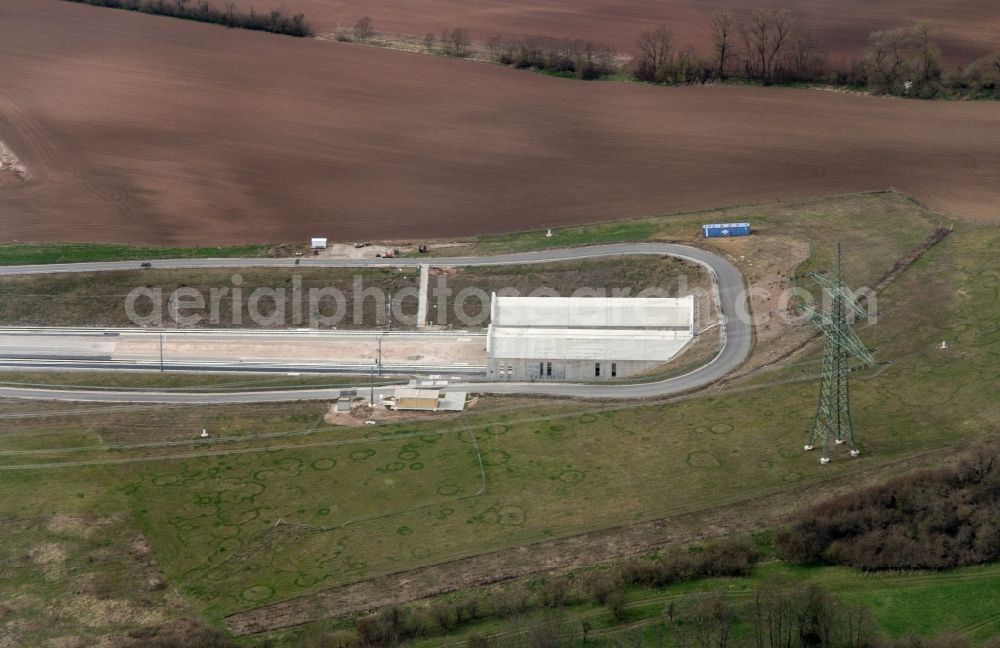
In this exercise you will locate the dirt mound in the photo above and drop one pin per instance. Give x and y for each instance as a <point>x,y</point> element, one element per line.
<point>11,168</point>
<point>149,130</point>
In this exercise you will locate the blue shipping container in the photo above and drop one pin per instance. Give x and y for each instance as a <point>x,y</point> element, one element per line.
<point>726,229</point>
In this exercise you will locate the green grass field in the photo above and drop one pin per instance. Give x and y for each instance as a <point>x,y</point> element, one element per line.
<point>35,253</point>
<point>99,298</point>
<point>259,519</point>
<point>963,602</point>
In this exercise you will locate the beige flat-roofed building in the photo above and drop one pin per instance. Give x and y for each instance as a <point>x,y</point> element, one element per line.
<point>407,398</point>
<point>584,338</point>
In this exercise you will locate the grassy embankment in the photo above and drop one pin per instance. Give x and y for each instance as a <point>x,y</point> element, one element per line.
<point>99,298</point>
<point>412,492</point>
<point>38,253</point>
<point>961,602</point>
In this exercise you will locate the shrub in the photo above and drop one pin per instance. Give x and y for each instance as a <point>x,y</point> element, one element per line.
<point>478,640</point>
<point>388,627</point>
<point>364,29</point>
<point>509,602</point>
<point>600,585</point>
<point>569,57</point>
<point>728,557</point>
<point>456,42</point>
<point>341,639</point>
<point>470,609</point>
<point>929,519</point>
<point>443,615</point>
<point>553,592</point>
<point>615,603</point>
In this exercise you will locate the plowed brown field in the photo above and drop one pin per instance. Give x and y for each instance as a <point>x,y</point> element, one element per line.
<point>145,129</point>
<point>966,29</point>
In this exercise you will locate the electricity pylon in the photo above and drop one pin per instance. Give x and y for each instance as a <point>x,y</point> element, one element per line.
<point>833,412</point>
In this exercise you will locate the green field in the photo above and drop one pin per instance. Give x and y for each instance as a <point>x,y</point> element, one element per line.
<point>33,253</point>
<point>99,298</point>
<point>961,603</point>
<point>253,519</point>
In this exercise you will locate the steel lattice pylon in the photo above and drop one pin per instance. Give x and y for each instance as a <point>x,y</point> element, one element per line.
<point>833,412</point>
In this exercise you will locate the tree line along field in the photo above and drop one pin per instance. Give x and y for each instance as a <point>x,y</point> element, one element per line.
<point>970,27</point>
<point>147,130</point>
<point>258,520</point>
<point>766,47</point>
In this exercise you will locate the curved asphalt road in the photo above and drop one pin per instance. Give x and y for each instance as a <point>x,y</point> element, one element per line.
<point>737,330</point>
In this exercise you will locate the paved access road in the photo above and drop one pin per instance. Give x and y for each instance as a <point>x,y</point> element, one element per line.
<point>738,336</point>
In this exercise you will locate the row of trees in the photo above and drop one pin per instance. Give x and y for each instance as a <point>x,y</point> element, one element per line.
<point>277,21</point>
<point>766,47</point>
<point>570,57</point>
<point>454,42</point>
<point>564,56</point>
<point>450,42</point>
<point>396,625</point>
<point>926,520</point>
<point>772,47</point>
<point>775,616</point>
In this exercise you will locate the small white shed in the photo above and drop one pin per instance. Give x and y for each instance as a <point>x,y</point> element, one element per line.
<point>408,398</point>
<point>318,244</point>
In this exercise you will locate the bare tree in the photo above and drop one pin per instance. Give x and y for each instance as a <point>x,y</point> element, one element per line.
<point>886,59</point>
<point>765,38</point>
<point>364,29</point>
<point>981,464</point>
<point>495,48</point>
<point>461,42</point>
<point>604,58</point>
<point>755,34</point>
<point>927,51</point>
<point>456,42</point>
<point>429,41</point>
<point>781,31</point>
<point>708,623</point>
<point>655,50</point>
<point>804,59</point>
<point>724,27</point>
